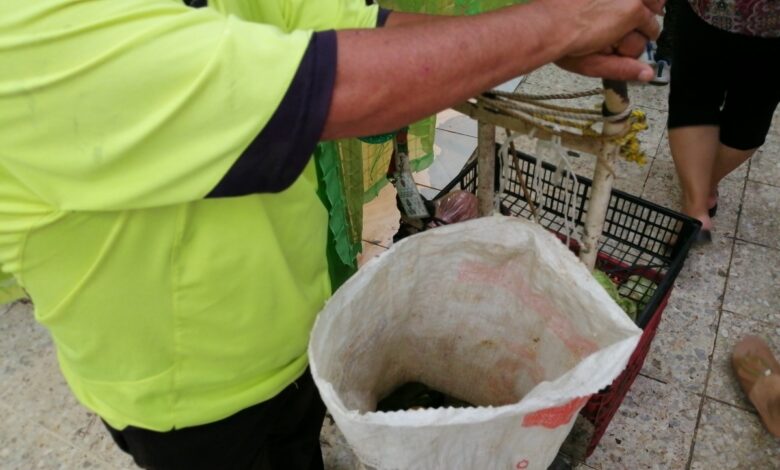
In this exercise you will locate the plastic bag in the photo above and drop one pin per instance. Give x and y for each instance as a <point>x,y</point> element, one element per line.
<point>457,206</point>
<point>495,312</point>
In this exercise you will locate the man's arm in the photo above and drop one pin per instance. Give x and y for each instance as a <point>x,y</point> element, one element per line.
<point>397,18</point>
<point>444,62</point>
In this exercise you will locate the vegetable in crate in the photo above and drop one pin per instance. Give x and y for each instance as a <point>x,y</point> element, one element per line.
<point>627,304</point>
<point>638,289</point>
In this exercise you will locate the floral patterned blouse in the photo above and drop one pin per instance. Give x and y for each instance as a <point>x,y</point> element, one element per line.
<point>749,17</point>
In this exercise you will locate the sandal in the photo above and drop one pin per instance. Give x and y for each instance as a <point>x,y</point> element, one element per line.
<point>713,211</point>
<point>758,373</point>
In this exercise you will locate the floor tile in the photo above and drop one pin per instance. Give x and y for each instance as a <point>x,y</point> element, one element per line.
<point>765,164</point>
<point>683,345</point>
<point>370,251</point>
<point>663,188</point>
<point>452,150</point>
<point>23,341</point>
<point>427,192</point>
<point>732,438</point>
<point>336,452</point>
<point>25,445</point>
<point>652,429</point>
<point>722,383</point>
<point>760,221</point>
<point>381,218</point>
<point>30,380</point>
<point>649,96</point>
<point>754,283</point>
<point>453,121</point>
<point>702,279</point>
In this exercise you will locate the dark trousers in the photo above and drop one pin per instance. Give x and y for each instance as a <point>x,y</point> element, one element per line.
<point>723,79</point>
<point>281,433</point>
<point>666,40</point>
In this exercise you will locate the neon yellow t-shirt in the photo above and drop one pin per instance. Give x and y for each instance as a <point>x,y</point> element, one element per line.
<point>117,118</point>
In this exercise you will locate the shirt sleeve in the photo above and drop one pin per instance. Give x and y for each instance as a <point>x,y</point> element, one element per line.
<point>382,16</point>
<point>317,15</point>
<point>275,159</point>
<point>151,103</point>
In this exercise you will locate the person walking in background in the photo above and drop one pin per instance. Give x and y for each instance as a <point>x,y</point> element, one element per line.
<point>659,54</point>
<point>725,87</point>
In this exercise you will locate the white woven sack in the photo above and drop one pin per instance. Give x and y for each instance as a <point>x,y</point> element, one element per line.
<point>494,311</point>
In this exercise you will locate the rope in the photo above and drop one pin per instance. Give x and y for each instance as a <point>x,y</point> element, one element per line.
<point>541,109</point>
<point>560,121</point>
<point>563,164</point>
<point>557,96</point>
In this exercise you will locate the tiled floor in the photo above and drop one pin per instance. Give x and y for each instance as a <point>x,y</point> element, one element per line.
<point>685,409</point>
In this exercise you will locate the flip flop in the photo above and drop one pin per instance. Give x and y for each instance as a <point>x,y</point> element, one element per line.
<point>758,373</point>
<point>713,211</point>
<point>703,237</point>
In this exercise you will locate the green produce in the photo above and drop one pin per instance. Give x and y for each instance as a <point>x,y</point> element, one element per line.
<point>627,304</point>
<point>638,289</point>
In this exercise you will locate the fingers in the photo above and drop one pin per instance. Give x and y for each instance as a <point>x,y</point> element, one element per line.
<point>608,66</point>
<point>656,6</point>
<point>633,45</point>
<point>649,25</point>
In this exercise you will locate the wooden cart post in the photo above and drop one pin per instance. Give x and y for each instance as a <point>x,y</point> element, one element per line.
<point>615,102</point>
<point>486,158</point>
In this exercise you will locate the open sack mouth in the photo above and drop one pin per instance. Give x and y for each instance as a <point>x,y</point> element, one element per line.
<point>480,321</point>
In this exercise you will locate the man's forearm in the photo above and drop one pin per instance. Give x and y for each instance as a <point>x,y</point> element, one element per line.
<point>393,76</point>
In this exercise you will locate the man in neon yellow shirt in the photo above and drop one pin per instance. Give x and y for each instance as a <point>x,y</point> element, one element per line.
<point>159,203</point>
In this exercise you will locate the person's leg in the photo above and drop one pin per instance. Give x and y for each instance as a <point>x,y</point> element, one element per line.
<point>727,160</point>
<point>751,99</point>
<point>697,92</point>
<point>694,150</point>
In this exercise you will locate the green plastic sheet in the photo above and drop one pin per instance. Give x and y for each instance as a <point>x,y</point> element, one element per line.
<point>360,170</point>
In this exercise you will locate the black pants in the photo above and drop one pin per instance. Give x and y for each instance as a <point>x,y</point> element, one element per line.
<point>666,40</point>
<point>281,433</point>
<point>723,79</point>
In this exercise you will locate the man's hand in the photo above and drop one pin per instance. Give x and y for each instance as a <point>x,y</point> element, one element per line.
<point>590,26</point>
<point>610,66</point>
<point>616,62</point>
